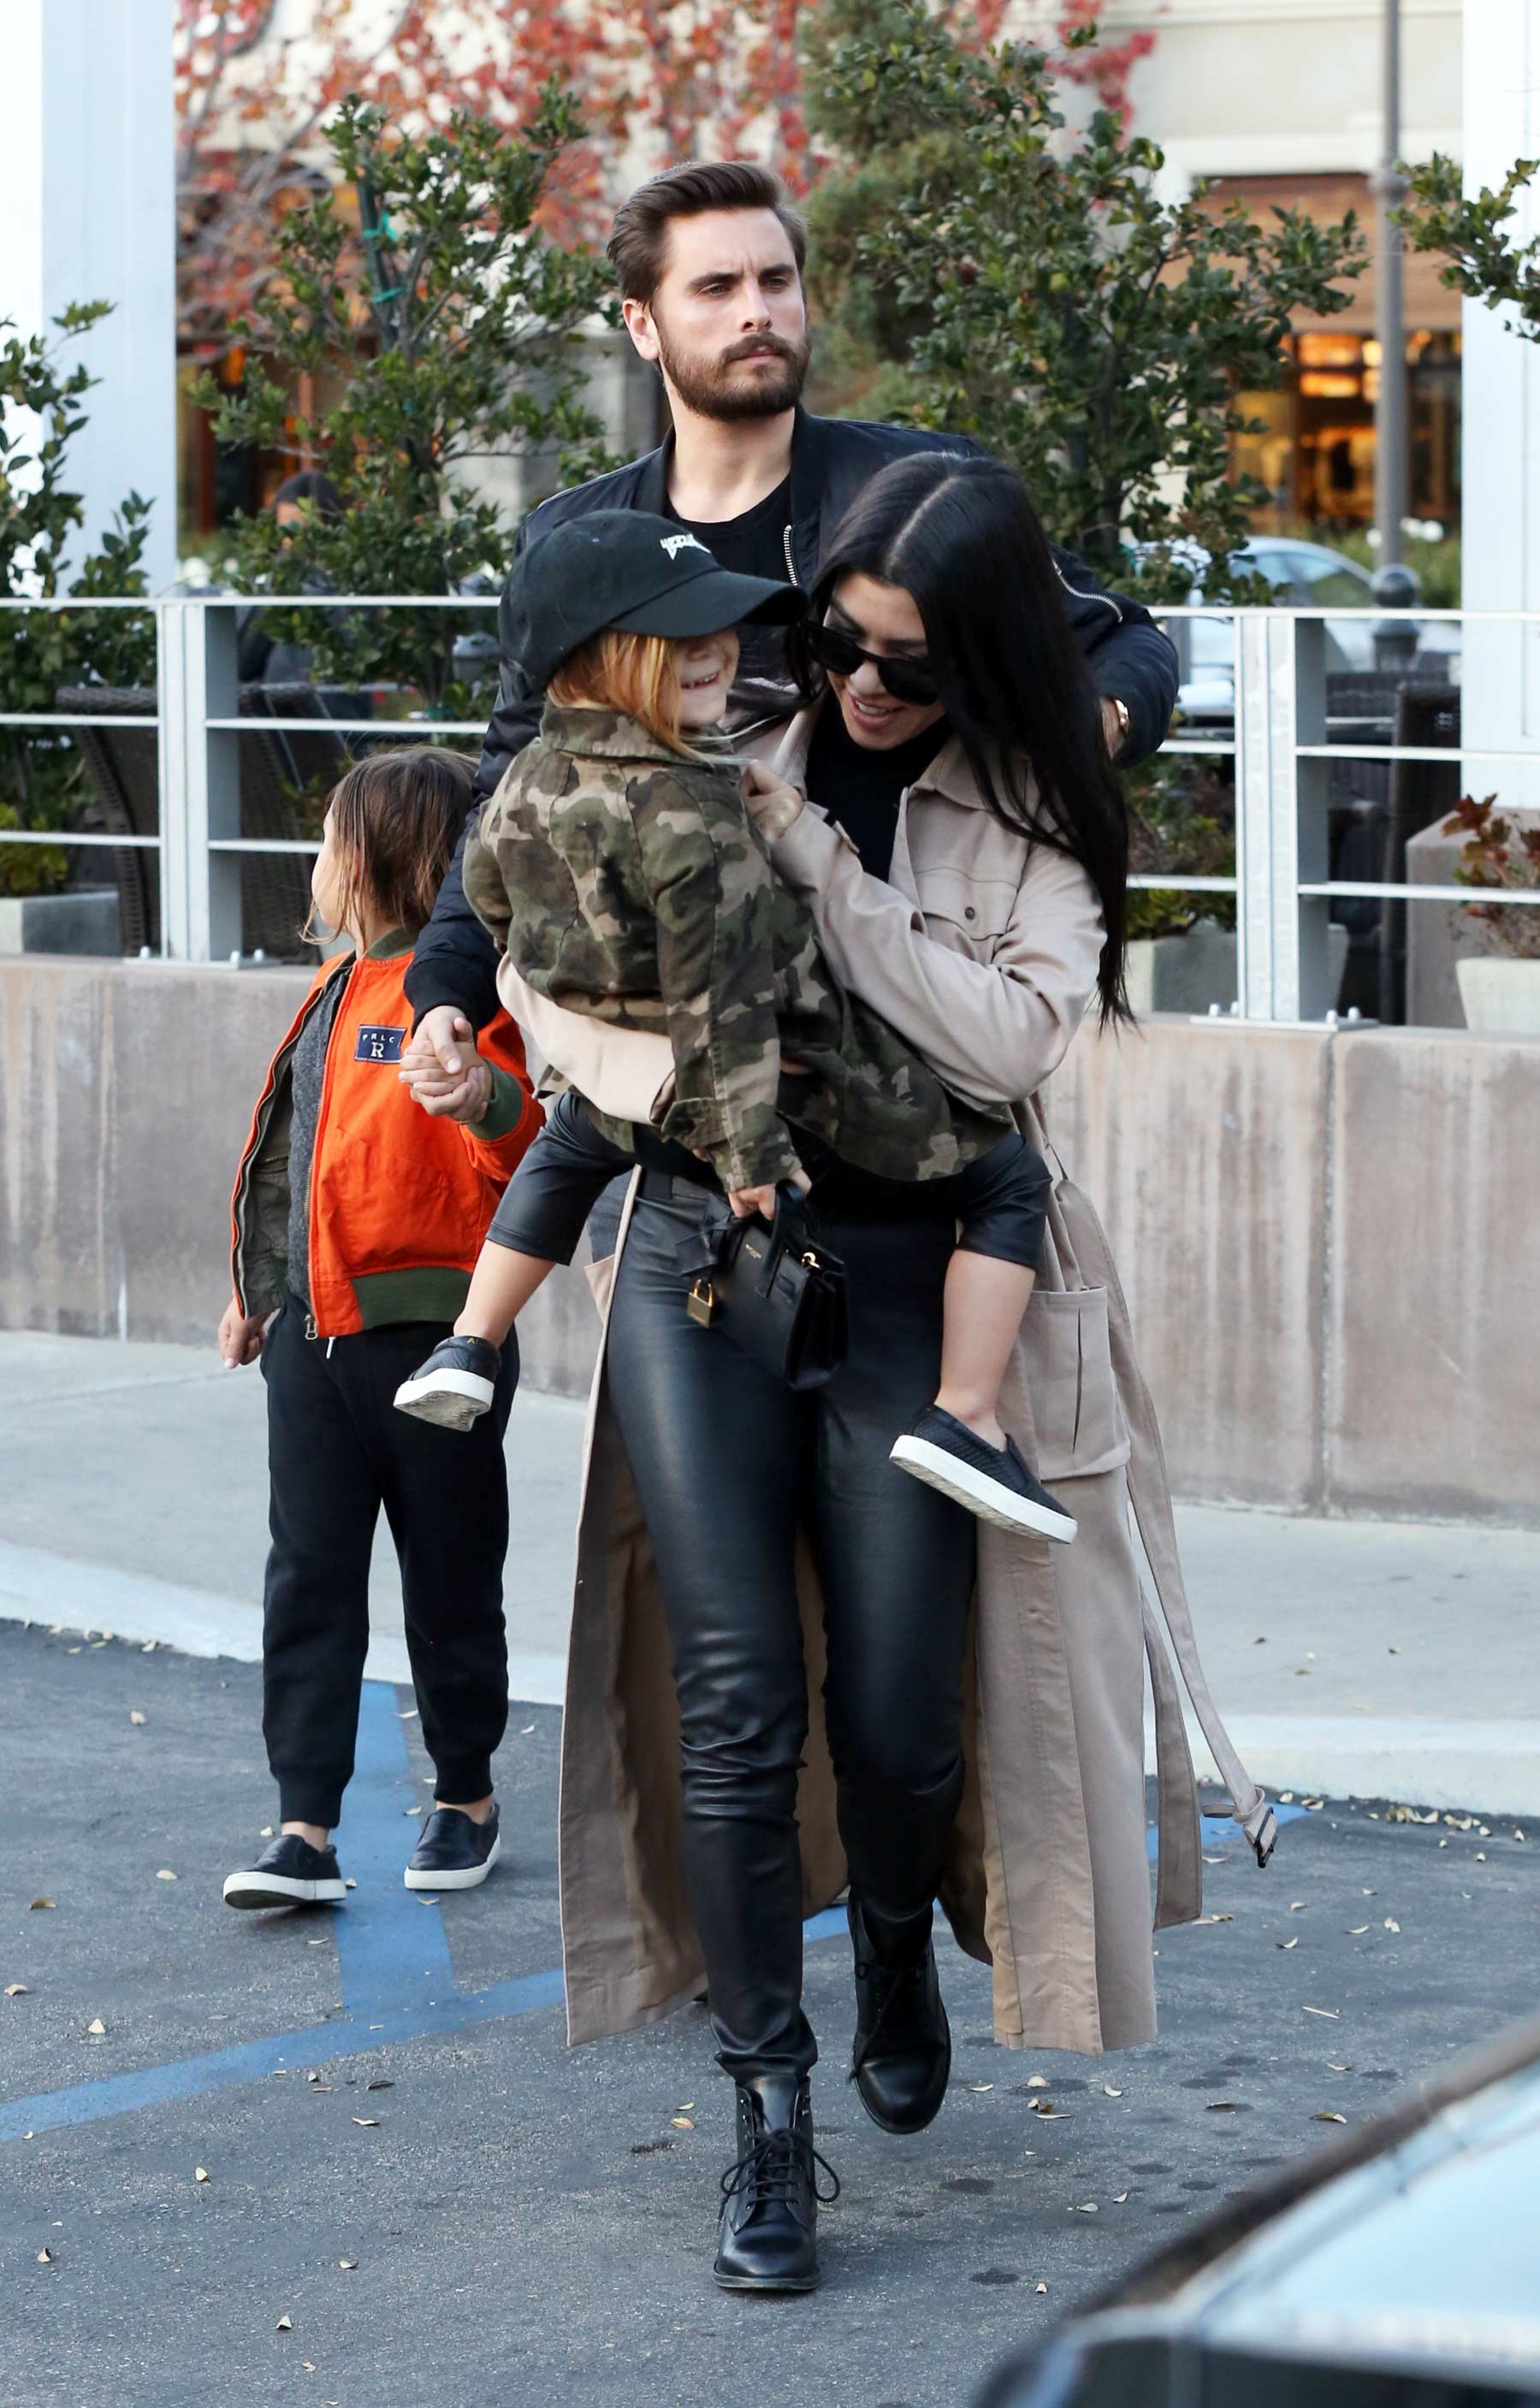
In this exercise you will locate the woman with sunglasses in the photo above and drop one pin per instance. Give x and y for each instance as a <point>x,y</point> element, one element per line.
<point>865,1688</point>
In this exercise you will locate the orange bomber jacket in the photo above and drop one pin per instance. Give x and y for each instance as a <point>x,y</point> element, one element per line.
<point>399,1202</point>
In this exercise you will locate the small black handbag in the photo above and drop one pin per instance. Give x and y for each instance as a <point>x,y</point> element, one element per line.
<point>775,1290</point>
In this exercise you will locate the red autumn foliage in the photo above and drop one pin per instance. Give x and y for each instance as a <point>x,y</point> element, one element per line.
<point>658,80</point>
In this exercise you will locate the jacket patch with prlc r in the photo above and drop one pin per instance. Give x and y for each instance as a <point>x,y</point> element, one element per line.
<point>379,1044</point>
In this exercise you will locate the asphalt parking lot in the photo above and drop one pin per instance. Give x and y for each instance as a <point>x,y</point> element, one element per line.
<point>415,2192</point>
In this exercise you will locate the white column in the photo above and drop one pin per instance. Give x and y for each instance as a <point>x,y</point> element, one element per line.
<point>1500,404</point>
<point>87,202</point>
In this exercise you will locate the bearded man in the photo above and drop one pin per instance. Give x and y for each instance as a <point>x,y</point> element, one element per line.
<point>708,259</point>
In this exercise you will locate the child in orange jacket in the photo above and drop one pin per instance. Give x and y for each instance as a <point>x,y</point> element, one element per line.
<point>356,1224</point>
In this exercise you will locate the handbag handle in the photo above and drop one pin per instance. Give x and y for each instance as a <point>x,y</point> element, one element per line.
<point>789,1232</point>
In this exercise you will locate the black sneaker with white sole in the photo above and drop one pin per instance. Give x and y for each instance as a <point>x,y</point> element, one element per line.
<point>454,1386</point>
<point>990,1481</point>
<point>454,1853</point>
<point>288,1872</point>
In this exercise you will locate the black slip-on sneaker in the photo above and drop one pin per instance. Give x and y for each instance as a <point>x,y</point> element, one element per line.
<point>990,1481</point>
<point>454,1853</point>
<point>288,1872</point>
<point>454,1386</point>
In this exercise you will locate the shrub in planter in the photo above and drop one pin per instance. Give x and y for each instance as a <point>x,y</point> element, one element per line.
<point>1500,990</point>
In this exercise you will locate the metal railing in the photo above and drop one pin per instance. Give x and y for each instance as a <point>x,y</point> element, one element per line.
<point>1281,745</point>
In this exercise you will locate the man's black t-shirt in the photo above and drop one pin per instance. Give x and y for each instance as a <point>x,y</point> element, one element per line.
<point>754,545</point>
<point>861,787</point>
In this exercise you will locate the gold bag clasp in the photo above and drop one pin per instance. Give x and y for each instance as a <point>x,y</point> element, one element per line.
<point>700,1304</point>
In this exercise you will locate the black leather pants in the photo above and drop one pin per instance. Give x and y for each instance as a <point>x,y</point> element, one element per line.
<point>727,1463</point>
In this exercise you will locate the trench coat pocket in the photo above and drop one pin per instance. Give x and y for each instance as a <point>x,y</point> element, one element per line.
<point>1067,1353</point>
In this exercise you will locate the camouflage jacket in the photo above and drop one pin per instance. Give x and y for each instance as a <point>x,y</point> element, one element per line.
<point>626,881</point>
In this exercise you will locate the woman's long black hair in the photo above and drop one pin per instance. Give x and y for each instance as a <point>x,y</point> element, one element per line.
<point>959,534</point>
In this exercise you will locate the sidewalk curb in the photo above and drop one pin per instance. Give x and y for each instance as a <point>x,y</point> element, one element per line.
<point>39,1587</point>
<point>1494,1766</point>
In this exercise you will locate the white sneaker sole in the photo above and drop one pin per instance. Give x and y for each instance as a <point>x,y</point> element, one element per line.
<point>977,1493</point>
<point>280,1889</point>
<point>452,1399</point>
<point>470,1878</point>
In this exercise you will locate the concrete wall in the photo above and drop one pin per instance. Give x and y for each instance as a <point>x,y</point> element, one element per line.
<point>1329,1243</point>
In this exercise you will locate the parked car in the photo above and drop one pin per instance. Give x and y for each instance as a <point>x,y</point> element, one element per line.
<point>1303,575</point>
<point>1399,2270</point>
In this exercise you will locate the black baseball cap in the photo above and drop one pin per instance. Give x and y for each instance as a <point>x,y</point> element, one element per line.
<point>627,569</point>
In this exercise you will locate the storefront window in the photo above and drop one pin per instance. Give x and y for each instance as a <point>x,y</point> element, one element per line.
<point>1315,451</point>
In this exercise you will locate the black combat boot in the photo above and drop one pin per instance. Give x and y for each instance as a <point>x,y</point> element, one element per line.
<point>768,2233</point>
<point>903,2052</point>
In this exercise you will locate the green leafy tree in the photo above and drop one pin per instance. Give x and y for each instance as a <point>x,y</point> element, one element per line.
<point>983,267</point>
<point>1484,259</point>
<point>42,409</point>
<point>421,292</point>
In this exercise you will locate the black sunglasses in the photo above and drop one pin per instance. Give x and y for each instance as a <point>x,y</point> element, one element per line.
<point>905,679</point>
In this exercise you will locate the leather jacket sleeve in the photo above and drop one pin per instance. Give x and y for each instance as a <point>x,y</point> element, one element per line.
<point>1127,654</point>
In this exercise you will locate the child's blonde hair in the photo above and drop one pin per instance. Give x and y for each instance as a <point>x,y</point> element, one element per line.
<point>634,674</point>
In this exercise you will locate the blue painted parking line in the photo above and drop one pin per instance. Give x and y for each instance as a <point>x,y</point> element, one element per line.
<point>393,1949</point>
<point>396,1973</point>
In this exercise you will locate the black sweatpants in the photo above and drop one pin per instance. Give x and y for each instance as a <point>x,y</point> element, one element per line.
<point>337,1451</point>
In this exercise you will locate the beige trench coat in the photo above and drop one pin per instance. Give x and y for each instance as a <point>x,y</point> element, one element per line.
<point>985,955</point>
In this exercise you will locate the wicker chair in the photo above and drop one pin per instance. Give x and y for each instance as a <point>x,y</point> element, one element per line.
<point>279,772</point>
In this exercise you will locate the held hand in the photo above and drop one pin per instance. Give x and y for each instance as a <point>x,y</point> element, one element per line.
<point>772,802</point>
<point>747,1201</point>
<point>443,1070</point>
<point>240,1336</point>
<point>1114,726</point>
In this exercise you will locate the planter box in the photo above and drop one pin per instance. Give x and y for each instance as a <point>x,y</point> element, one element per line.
<point>86,923</point>
<point>1189,973</point>
<point>1501,994</point>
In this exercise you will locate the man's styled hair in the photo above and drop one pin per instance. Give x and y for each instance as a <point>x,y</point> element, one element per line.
<point>639,235</point>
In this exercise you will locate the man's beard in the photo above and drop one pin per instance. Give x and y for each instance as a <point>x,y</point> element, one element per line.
<point>709,387</point>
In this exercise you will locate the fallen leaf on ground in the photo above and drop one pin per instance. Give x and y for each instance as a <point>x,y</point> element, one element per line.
<point>409,1716</point>
<point>16,1989</point>
<point>137,1718</point>
<point>1295,1904</point>
<point>309,2365</point>
<point>1110,2092</point>
<point>200,2174</point>
<point>45,2257</point>
<point>286,2324</point>
<point>367,2121</point>
<point>98,2027</point>
<point>165,1875</point>
<point>380,2085</point>
<point>1037,2082</point>
<point>1329,2116</point>
<point>1222,2107</point>
<point>1288,1944</point>
<point>1390,1924</point>
<point>1356,1930</point>
<point>1333,2014</point>
<point>411,1810</point>
<point>265,1832</point>
<point>1481,1856</point>
<point>1088,2208</point>
<point>1039,2286</point>
<point>525,1732</point>
<point>348,2265</point>
<point>980,2086</point>
<point>38,1903</point>
<point>1216,1918</point>
<point>682,2123</point>
<point>1216,1860</point>
<point>1119,2196</point>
